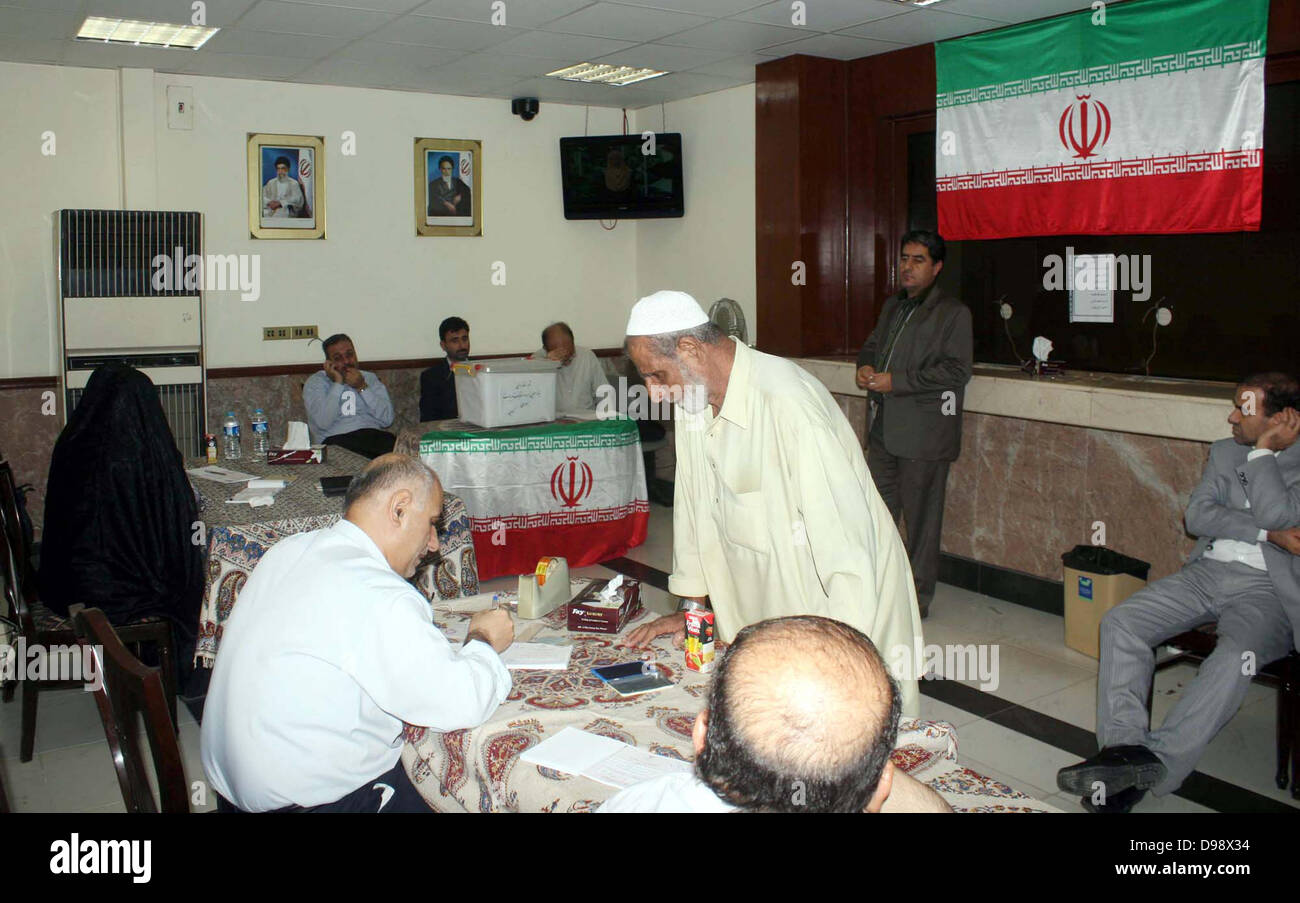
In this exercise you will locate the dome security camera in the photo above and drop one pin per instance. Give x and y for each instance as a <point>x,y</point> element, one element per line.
<point>525,108</point>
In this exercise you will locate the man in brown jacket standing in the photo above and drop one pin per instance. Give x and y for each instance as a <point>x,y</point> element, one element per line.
<point>915,367</point>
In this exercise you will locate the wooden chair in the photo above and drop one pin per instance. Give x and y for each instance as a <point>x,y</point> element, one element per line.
<point>1283,675</point>
<point>40,626</point>
<point>128,687</point>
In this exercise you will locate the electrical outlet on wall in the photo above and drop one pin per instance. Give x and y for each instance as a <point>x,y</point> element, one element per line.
<point>305,332</point>
<point>275,333</point>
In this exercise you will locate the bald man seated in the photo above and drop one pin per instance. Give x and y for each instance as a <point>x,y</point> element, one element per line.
<point>330,651</point>
<point>801,717</point>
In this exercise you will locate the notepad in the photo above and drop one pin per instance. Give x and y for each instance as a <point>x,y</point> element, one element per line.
<point>536,657</point>
<point>603,759</point>
<point>220,474</point>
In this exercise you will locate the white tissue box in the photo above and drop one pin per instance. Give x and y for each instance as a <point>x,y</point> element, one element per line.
<point>506,392</point>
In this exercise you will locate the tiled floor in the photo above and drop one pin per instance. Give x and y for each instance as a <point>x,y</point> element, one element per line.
<point>72,771</point>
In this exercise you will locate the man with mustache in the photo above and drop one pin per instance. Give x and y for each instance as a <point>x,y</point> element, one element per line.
<point>774,512</point>
<point>346,405</point>
<point>438,384</point>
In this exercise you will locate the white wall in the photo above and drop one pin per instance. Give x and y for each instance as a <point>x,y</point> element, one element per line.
<point>80,107</point>
<point>372,276</point>
<point>709,252</point>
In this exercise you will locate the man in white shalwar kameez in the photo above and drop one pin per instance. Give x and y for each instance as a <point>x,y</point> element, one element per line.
<point>774,512</point>
<point>282,196</point>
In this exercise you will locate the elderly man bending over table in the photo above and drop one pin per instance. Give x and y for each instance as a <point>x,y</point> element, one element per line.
<point>330,650</point>
<point>801,717</point>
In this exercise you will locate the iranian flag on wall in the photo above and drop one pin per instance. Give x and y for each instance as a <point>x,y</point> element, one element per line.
<point>1141,117</point>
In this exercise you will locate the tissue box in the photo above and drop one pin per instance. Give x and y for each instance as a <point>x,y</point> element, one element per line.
<point>587,614</point>
<point>313,455</point>
<point>506,392</point>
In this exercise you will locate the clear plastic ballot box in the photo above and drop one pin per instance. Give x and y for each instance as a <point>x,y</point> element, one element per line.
<point>506,392</point>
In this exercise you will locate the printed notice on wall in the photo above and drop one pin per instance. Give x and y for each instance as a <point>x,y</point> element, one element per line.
<point>1092,288</point>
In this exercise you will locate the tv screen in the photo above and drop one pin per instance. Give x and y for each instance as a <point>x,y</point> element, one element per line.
<point>614,176</point>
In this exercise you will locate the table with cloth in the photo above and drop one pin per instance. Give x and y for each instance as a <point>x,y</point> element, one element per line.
<point>238,536</point>
<point>573,488</point>
<point>479,770</point>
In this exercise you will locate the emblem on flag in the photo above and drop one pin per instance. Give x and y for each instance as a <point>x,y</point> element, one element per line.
<point>575,485</point>
<point>1077,133</point>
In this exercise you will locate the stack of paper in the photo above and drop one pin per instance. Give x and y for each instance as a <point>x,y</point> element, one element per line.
<point>536,657</point>
<point>602,759</point>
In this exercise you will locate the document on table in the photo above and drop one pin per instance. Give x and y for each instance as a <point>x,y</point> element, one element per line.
<point>249,495</point>
<point>536,657</point>
<point>602,759</point>
<point>220,474</point>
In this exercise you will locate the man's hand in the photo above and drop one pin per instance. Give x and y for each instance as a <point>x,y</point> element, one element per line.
<point>355,379</point>
<point>1282,430</point>
<point>864,374</point>
<point>557,354</point>
<point>451,208</point>
<point>274,205</point>
<point>1288,539</point>
<point>881,382</point>
<point>674,624</point>
<point>333,372</point>
<point>493,627</point>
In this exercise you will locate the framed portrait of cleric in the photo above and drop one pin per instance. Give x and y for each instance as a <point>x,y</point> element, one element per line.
<point>448,186</point>
<point>286,186</point>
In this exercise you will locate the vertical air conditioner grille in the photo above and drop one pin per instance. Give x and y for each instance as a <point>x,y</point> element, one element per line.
<point>180,405</point>
<point>111,253</point>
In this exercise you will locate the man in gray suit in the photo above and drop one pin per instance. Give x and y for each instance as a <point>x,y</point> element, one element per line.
<point>1243,573</point>
<point>915,366</point>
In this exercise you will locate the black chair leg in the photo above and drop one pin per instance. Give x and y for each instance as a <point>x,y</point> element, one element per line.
<point>27,747</point>
<point>8,692</point>
<point>1284,716</point>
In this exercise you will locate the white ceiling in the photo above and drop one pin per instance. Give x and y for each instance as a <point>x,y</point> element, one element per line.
<point>452,47</point>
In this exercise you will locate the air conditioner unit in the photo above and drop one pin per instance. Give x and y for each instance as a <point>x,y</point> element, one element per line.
<point>114,307</point>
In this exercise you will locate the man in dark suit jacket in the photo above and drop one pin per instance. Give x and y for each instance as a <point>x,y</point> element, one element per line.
<point>1243,573</point>
<point>915,366</point>
<point>437,384</point>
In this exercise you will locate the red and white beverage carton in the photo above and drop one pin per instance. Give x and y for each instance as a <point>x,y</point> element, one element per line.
<point>699,638</point>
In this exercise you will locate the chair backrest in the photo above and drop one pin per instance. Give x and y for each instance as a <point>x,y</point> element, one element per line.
<point>127,687</point>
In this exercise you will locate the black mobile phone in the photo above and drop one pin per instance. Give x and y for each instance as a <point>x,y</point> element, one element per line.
<point>334,486</point>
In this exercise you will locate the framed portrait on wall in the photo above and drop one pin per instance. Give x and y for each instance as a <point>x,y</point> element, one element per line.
<point>448,187</point>
<point>286,186</point>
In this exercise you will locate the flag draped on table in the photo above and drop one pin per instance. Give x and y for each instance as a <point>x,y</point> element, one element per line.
<point>576,490</point>
<point>1142,117</point>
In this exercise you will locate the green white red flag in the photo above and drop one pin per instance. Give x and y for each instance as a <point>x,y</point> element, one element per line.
<point>1140,117</point>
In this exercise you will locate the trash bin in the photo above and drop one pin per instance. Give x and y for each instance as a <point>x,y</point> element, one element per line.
<point>1096,580</point>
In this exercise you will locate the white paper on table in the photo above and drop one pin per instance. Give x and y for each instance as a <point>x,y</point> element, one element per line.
<point>572,751</point>
<point>481,602</point>
<point>631,766</point>
<point>536,657</point>
<point>267,484</point>
<point>258,498</point>
<point>220,474</point>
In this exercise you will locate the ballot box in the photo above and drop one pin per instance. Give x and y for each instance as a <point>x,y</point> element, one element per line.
<point>506,392</point>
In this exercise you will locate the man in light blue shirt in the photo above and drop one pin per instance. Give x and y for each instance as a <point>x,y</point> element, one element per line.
<point>346,405</point>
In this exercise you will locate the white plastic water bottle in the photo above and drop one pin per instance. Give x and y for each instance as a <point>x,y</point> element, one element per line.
<point>261,434</point>
<point>230,437</point>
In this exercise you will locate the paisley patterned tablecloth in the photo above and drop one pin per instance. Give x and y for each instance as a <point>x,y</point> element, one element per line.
<point>479,770</point>
<point>237,540</point>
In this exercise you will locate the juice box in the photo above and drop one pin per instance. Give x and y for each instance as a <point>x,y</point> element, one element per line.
<point>699,640</point>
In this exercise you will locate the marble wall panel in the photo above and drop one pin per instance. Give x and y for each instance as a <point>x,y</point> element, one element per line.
<point>27,435</point>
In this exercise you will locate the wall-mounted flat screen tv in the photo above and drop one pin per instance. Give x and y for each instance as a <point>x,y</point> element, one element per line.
<point>622,176</point>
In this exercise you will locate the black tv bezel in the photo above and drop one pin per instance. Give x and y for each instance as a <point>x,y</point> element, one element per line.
<point>655,210</point>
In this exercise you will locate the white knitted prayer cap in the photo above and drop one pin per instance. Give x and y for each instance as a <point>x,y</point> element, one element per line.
<point>665,312</point>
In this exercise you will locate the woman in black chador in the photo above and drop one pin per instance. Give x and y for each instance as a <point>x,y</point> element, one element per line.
<point>120,516</point>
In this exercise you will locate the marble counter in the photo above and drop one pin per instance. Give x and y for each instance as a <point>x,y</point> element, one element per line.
<point>1192,410</point>
<point>1045,462</point>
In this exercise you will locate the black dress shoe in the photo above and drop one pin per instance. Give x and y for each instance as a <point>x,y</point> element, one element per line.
<point>1121,802</point>
<point>1117,768</point>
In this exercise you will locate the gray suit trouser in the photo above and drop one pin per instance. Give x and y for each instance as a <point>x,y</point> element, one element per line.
<point>913,489</point>
<point>1250,620</point>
